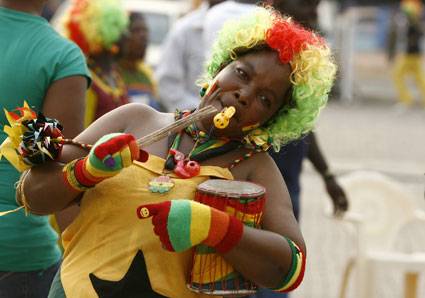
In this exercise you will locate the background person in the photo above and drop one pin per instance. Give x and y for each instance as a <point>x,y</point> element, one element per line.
<point>96,26</point>
<point>409,63</point>
<point>182,61</point>
<point>137,75</point>
<point>50,73</point>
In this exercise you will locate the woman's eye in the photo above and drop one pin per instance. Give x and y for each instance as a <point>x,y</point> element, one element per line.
<point>265,101</point>
<point>241,73</point>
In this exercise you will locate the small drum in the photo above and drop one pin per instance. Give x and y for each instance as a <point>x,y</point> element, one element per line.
<point>211,274</point>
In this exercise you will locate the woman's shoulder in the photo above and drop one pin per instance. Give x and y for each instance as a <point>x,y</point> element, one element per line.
<point>263,170</point>
<point>140,116</point>
<point>139,112</point>
<point>248,164</point>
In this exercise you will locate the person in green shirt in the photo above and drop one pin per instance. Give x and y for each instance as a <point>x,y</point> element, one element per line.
<point>49,72</point>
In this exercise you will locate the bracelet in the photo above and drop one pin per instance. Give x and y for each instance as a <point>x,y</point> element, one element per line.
<point>70,178</point>
<point>295,274</point>
<point>20,198</point>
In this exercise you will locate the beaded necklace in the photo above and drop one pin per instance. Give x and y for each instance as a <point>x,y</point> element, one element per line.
<point>204,148</point>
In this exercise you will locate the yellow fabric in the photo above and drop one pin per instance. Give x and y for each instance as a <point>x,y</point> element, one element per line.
<point>15,132</point>
<point>107,234</point>
<point>91,104</point>
<point>200,218</point>
<point>147,70</point>
<point>7,149</point>
<point>409,65</point>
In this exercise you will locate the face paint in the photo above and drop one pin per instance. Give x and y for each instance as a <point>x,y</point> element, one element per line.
<point>208,89</point>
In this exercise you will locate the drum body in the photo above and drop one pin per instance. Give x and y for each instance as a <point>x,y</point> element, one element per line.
<point>211,274</point>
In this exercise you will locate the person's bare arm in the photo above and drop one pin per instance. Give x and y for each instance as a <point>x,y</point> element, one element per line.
<point>45,189</point>
<point>65,101</point>
<point>264,256</point>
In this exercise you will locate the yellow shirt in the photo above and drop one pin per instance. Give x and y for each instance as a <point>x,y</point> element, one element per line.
<point>107,235</point>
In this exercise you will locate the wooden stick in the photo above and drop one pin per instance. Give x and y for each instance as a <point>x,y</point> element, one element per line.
<point>158,134</point>
<point>176,126</point>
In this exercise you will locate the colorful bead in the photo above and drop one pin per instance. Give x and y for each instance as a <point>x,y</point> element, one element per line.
<point>187,169</point>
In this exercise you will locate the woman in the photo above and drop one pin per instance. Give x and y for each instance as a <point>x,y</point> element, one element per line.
<point>137,75</point>
<point>277,76</point>
<point>409,63</point>
<point>96,27</point>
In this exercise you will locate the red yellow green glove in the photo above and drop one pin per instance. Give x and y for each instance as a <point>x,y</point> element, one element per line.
<point>182,224</point>
<point>110,154</point>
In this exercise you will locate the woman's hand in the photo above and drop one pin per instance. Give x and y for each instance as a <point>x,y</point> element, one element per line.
<point>182,224</point>
<point>110,154</point>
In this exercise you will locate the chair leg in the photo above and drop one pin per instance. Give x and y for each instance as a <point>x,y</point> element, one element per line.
<point>410,284</point>
<point>345,278</point>
<point>365,274</point>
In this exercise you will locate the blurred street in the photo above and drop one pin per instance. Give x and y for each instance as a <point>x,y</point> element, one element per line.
<point>371,133</point>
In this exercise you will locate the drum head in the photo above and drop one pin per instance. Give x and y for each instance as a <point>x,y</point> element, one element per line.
<point>232,188</point>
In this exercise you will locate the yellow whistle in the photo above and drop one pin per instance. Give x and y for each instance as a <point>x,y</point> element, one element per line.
<point>222,119</point>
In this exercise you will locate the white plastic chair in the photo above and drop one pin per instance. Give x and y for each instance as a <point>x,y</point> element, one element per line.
<point>379,209</point>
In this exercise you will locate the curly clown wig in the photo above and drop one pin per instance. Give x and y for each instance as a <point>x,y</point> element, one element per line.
<point>95,25</point>
<point>412,8</point>
<point>312,76</point>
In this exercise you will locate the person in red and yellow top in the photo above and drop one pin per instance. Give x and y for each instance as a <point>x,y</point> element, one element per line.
<point>137,75</point>
<point>96,27</point>
<point>276,75</point>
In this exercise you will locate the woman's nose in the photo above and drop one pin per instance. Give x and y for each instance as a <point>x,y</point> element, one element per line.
<point>242,97</point>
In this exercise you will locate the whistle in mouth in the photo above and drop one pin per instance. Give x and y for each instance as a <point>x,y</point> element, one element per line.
<point>222,119</point>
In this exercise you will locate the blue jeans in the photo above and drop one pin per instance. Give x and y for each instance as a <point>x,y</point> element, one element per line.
<point>31,284</point>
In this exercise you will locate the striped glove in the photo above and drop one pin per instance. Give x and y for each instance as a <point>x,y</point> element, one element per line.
<point>182,224</point>
<point>110,154</point>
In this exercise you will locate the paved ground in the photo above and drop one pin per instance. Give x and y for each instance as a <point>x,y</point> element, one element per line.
<point>369,134</point>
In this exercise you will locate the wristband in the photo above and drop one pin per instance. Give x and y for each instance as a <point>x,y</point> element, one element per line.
<point>296,272</point>
<point>69,171</point>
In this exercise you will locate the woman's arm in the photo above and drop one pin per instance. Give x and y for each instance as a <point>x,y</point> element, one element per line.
<point>264,256</point>
<point>45,188</point>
